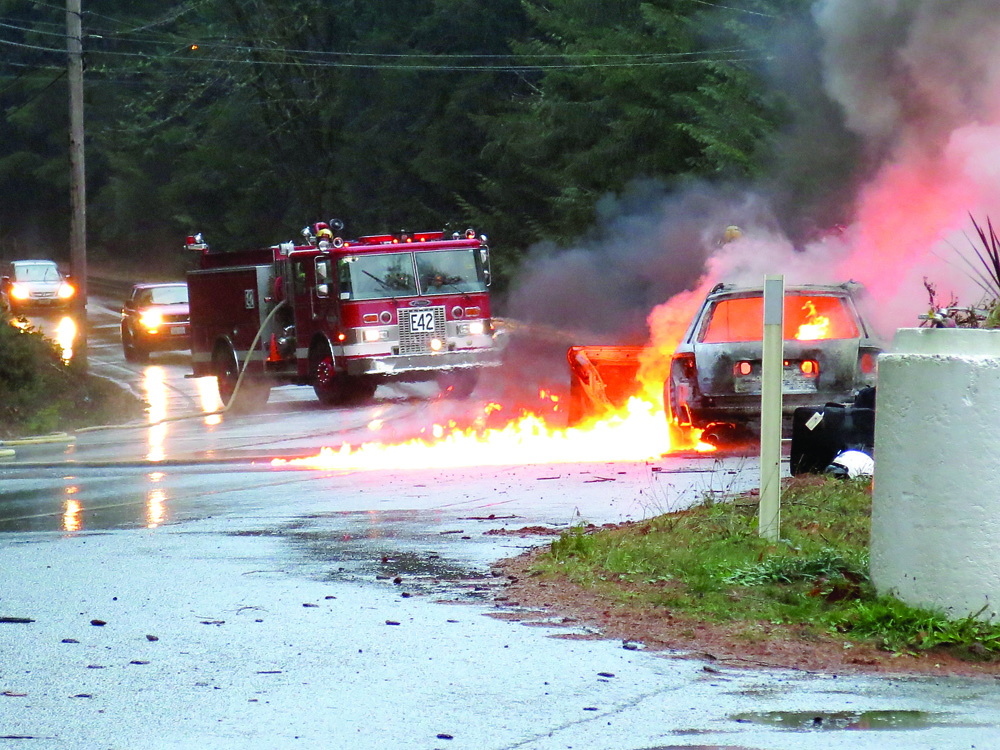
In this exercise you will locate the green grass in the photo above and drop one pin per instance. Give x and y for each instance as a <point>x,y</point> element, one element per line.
<point>709,563</point>
<point>39,393</point>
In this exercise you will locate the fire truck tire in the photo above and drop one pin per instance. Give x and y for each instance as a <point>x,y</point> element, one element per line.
<point>227,372</point>
<point>458,383</point>
<point>253,393</point>
<point>329,386</point>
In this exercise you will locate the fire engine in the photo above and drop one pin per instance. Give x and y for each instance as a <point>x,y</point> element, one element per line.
<point>342,315</point>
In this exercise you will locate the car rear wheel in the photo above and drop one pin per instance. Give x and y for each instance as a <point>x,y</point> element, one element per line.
<point>329,386</point>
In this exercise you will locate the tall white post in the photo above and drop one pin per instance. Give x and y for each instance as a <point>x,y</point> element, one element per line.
<point>772,370</point>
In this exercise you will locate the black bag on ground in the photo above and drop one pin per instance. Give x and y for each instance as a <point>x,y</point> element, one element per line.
<point>818,435</point>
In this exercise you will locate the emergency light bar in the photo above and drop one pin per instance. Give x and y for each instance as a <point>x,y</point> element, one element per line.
<point>196,242</point>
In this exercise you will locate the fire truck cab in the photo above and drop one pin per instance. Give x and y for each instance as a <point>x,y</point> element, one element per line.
<point>342,315</point>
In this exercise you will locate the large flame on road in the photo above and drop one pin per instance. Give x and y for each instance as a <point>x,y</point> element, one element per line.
<point>636,433</point>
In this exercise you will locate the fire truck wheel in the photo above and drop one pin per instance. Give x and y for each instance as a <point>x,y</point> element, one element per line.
<point>329,386</point>
<point>457,383</point>
<point>227,372</point>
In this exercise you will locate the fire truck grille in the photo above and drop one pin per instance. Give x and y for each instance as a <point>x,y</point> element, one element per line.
<point>416,329</point>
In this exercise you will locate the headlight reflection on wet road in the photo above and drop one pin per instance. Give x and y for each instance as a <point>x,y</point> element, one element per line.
<point>155,386</point>
<point>71,516</point>
<point>208,394</point>
<point>65,335</point>
<point>156,502</point>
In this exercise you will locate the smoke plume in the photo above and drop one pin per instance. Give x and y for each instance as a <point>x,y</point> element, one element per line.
<point>902,136</point>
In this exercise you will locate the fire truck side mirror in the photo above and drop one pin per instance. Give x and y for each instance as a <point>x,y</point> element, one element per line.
<point>484,254</point>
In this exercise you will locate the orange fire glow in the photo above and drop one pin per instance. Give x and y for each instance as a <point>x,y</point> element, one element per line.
<point>815,327</point>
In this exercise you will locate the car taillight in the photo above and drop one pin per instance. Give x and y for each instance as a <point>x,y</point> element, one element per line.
<point>809,367</point>
<point>742,368</point>
<point>684,365</point>
<point>867,363</point>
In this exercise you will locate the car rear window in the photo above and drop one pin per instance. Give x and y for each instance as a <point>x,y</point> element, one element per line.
<point>807,318</point>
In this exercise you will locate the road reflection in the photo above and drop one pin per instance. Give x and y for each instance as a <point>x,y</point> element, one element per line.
<point>156,502</point>
<point>71,516</point>
<point>208,394</point>
<point>65,336</point>
<point>155,385</point>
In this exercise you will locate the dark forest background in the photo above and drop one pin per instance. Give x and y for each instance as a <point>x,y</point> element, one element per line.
<point>248,119</point>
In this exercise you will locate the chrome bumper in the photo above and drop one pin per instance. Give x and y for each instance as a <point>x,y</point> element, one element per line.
<point>404,364</point>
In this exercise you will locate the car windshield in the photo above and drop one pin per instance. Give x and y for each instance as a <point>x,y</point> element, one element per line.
<point>450,271</point>
<point>163,295</point>
<point>377,276</point>
<point>807,318</point>
<point>36,272</point>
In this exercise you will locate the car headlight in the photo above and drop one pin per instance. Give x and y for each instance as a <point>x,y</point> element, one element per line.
<point>66,291</point>
<point>18,291</point>
<point>151,320</point>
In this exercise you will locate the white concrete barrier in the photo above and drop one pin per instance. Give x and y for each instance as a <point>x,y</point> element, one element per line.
<point>935,539</point>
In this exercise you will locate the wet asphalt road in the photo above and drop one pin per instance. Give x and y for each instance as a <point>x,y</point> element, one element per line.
<point>250,606</point>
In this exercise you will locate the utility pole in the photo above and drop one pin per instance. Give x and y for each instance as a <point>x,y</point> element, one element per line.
<point>78,183</point>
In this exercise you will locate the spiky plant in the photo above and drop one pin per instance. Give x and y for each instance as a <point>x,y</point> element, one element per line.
<point>988,272</point>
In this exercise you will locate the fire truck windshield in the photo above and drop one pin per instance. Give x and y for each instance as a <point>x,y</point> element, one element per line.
<point>379,276</point>
<point>450,271</point>
<point>389,275</point>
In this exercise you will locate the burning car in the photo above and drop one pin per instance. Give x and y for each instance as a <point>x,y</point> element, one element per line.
<point>34,284</point>
<point>155,317</point>
<point>715,373</point>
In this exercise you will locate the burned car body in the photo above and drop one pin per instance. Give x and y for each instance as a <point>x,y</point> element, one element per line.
<point>715,373</point>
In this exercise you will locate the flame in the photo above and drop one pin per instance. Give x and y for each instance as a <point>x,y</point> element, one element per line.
<point>815,327</point>
<point>636,433</point>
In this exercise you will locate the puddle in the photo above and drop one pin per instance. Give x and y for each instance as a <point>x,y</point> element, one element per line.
<point>384,548</point>
<point>812,721</point>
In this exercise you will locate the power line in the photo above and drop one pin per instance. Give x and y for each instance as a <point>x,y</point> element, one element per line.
<point>737,10</point>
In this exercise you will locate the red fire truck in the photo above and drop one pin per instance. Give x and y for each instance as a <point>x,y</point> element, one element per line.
<point>342,315</point>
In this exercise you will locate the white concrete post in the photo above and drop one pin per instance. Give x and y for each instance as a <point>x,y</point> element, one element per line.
<point>772,371</point>
<point>935,540</point>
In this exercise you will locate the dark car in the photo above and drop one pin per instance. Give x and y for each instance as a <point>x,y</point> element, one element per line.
<point>715,373</point>
<point>34,285</point>
<point>155,318</point>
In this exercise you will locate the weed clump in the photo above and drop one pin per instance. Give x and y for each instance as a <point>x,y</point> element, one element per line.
<point>708,563</point>
<point>40,392</point>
